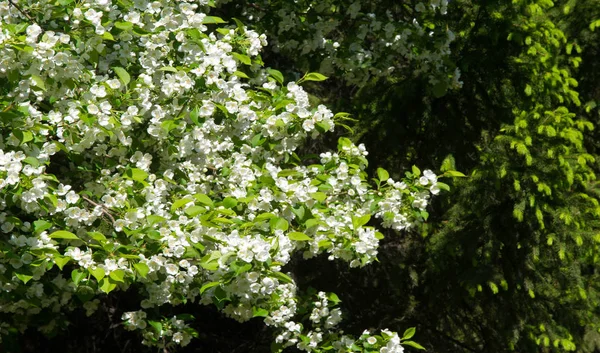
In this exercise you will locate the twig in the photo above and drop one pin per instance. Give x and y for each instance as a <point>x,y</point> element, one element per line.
<point>104,209</point>
<point>23,12</point>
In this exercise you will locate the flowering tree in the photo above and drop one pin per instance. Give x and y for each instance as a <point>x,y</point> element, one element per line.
<point>144,143</point>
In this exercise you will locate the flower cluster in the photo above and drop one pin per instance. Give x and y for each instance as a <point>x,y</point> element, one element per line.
<point>146,144</point>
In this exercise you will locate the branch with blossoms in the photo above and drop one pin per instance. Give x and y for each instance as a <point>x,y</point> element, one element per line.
<point>192,147</point>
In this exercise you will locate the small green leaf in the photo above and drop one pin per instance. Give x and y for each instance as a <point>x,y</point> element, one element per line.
<point>298,236</point>
<point>61,261</point>
<point>278,223</point>
<point>99,237</point>
<point>244,59</point>
<point>333,298</point>
<point>156,325</point>
<point>194,210</point>
<point>117,275</point>
<point>204,199</point>
<point>240,74</point>
<point>212,20</point>
<point>382,174</point>
<point>454,174</point>
<point>153,219</point>
<point>283,277</point>
<point>123,25</point>
<point>358,222</point>
<point>413,344</point>
<point>259,312</point>
<point>40,225</point>
<point>108,36</point>
<point>168,68</point>
<point>32,160</point>
<point>23,136</point>
<point>24,277</point>
<point>314,76</point>
<point>208,285</point>
<point>107,286</point>
<point>98,273</point>
<point>416,171</point>
<point>230,202</point>
<point>136,174</point>
<point>409,333</point>
<point>142,269</point>
<point>180,203</point>
<point>38,82</point>
<point>319,196</point>
<point>77,276</point>
<point>277,75</point>
<point>123,75</point>
<point>63,234</point>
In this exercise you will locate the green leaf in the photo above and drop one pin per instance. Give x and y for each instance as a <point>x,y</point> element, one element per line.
<point>259,312</point>
<point>528,90</point>
<point>208,285</point>
<point>136,174</point>
<point>204,199</point>
<point>168,68</point>
<point>123,75</point>
<point>123,25</point>
<point>61,261</point>
<point>382,174</point>
<point>38,82</point>
<point>107,286</point>
<point>244,59</point>
<point>99,237</point>
<point>117,275</point>
<point>314,76</point>
<point>98,273</point>
<point>40,225</point>
<point>180,203</point>
<point>23,277</point>
<point>278,223</point>
<point>413,344</point>
<point>23,136</point>
<point>153,219</point>
<point>454,174</point>
<point>448,163</point>
<point>77,276</point>
<point>416,171</point>
<point>443,186</point>
<point>194,210</point>
<point>63,234</point>
<point>358,222</point>
<point>142,269</point>
<point>277,75</point>
<point>264,217</point>
<point>32,160</point>
<point>108,36</point>
<point>319,196</point>
<point>298,236</point>
<point>240,74</point>
<point>230,202</point>
<point>333,298</point>
<point>212,20</point>
<point>283,277</point>
<point>156,325</point>
<point>409,333</point>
